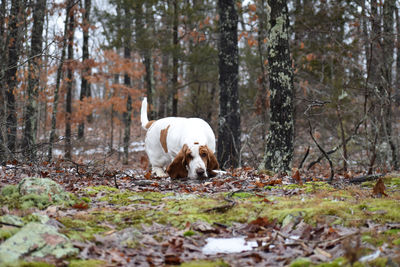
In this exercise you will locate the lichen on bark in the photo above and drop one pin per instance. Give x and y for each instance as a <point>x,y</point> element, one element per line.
<point>279,148</point>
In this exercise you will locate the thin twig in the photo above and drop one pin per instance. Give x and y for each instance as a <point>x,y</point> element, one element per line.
<point>322,151</point>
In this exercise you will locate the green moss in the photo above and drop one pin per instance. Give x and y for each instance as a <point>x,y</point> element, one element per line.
<point>82,229</point>
<point>312,187</point>
<point>27,264</point>
<point>86,263</point>
<point>100,188</point>
<point>396,242</point>
<point>85,199</point>
<point>336,263</point>
<point>189,233</point>
<point>301,262</point>
<point>203,263</point>
<point>378,262</point>
<point>32,200</point>
<point>7,232</point>
<point>9,191</point>
<point>123,198</point>
<point>243,195</point>
<point>11,198</point>
<point>389,181</point>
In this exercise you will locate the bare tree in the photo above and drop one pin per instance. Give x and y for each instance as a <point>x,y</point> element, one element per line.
<point>228,146</point>
<point>14,44</point>
<point>85,85</point>
<point>33,78</point>
<point>69,85</point>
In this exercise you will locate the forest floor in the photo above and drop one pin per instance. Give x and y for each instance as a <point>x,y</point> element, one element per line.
<point>117,217</point>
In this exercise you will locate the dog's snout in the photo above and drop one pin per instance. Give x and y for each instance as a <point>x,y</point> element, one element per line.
<point>200,172</point>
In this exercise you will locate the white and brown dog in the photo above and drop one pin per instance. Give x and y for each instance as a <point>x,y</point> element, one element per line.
<point>184,147</point>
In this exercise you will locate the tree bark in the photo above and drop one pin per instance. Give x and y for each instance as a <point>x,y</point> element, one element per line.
<point>263,81</point>
<point>143,40</point>
<point>33,79</point>
<point>14,44</point>
<point>85,85</point>
<point>387,90</point>
<point>3,102</point>
<point>279,149</point>
<point>70,72</point>
<point>175,60</point>
<point>228,146</point>
<point>127,114</point>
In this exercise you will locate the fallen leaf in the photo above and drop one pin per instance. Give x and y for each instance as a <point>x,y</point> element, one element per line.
<point>379,188</point>
<point>296,177</point>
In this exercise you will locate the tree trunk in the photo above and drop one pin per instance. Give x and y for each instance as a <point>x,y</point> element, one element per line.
<point>58,82</point>
<point>279,149</point>
<point>397,82</point>
<point>70,73</point>
<point>85,85</point>
<point>127,114</point>
<point>263,79</point>
<point>143,40</point>
<point>387,90</point>
<point>111,144</point>
<point>163,94</point>
<point>14,44</point>
<point>229,117</point>
<point>33,78</point>
<point>3,103</point>
<point>175,61</point>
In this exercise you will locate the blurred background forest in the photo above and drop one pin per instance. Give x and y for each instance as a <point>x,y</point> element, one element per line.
<point>73,74</point>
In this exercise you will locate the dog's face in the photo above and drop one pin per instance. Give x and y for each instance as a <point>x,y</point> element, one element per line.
<point>194,161</point>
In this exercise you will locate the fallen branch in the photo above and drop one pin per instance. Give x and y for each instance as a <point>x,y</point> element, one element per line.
<point>365,178</point>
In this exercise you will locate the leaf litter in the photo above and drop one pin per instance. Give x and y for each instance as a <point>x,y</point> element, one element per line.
<point>124,217</point>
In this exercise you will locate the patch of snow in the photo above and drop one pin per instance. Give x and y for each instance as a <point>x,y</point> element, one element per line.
<point>370,257</point>
<point>134,147</point>
<point>58,152</point>
<point>220,172</point>
<point>227,245</point>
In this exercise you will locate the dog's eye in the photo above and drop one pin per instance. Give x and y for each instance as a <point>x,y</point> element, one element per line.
<point>203,155</point>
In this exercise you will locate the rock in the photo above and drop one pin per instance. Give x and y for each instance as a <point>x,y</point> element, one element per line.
<point>40,193</point>
<point>42,186</point>
<point>11,220</point>
<point>36,240</point>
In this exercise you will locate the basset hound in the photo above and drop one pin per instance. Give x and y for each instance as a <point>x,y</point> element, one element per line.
<point>183,147</point>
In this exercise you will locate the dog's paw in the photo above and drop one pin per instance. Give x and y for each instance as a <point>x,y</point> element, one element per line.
<point>159,172</point>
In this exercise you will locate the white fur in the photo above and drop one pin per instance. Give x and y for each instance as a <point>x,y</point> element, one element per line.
<point>193,132</point>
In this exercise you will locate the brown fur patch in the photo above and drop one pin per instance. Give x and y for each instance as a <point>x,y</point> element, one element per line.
<point>177,168</point>
<point>209,159</point>
<point>163,139</point>
<point>149,124</point>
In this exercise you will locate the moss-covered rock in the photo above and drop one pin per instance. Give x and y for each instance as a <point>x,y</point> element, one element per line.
<point>42,186</point>
<point>34,192</point>
<point>11,220</point>
<point>36,240</point>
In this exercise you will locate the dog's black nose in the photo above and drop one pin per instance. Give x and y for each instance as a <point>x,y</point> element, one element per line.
<point>200,172</point>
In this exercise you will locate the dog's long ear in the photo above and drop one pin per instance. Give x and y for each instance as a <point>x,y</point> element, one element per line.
<point>212,163</point>
<point>177,168</point>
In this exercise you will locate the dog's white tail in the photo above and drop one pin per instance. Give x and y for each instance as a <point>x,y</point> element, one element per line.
<point>143,113</point>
